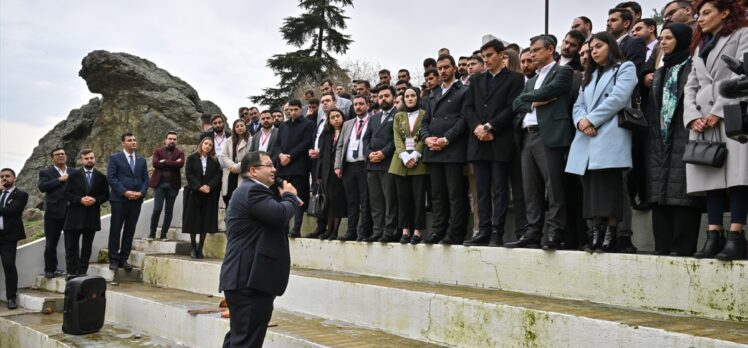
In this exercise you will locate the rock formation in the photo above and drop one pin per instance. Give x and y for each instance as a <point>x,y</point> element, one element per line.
<point>136,96</point>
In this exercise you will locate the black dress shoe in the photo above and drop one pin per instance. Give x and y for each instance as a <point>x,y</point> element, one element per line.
<point>735,247</point>
<point>347,238</point>
<point>374,238</point>
<point>332,236</point>
<point>524,242</point>
<point>497,239</point>
<point>113,267</point>
<point>294,234</point>
<point>415,239</point>
<point>12,304</point>
<point>361,238</point>
<point>388,239</point>
<point>624,245</point>
<point>480,239</point>
<point>434,238</point>
<point>316,234</point>
<point>449,241</point>
<point>49,275</point>
<point>552,244</point>
<point>59,273</point>
<point>126,266</point>
<point>661,253</point>
<point>715,241</point>
<point>405,239</point>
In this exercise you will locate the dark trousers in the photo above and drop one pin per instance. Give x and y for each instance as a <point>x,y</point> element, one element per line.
<point>411,201</point>
<point>8,258</point>
<point>576,226</point>
<point>543,170</point>
<point>250,314</point>
<point>78,263</point>
<point>52,232</point>
<point>301,183</point>
<point>738,198</point>
<point>518,196</point>
<point>383,203</point>
<point>357,195</point>
<point>321,217</point>
<point>124,214</point>
<point>676,229</point>
<point>491,179</point>
<point>449,200</point>
<point>636,180</point>
<point>163,193</point>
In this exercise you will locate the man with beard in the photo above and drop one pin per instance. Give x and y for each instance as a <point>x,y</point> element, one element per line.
<point>363,88</point>
<point>526,64</point>
<point>312,109</point>
<point>165,181</point>
<point>218,134</point>
<point>646,29</point>
<point>401,86</point>
<point>431,77</point>
<point>583,25</point>
<point>52,181</point>
<point>85,193</point>
<point>380,146</point>
<point>403,75</point>
<point>12,203</point>
<point>384,77</point>
<point>620,21</point>
<point>267,136</point>
<point>570,50</point>
<point>680,11</point>
<point>252,120</point>
<point>277,118</point>
<point>462,64</point>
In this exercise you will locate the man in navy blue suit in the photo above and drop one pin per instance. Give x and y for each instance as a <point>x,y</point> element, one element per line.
<point>128,178</point>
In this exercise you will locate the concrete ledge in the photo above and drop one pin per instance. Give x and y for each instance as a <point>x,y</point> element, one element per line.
<point>161,246</point>
<point>19,335</point>
<point>41,301</point>
<point>707,288</point>
<point>57,284</point>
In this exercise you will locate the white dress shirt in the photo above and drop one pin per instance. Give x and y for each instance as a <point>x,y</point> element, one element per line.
<point>264,139</point>
<point>2,204</point>
<point>219,142</point>
<point>531,118</point>
<point>349,153</point>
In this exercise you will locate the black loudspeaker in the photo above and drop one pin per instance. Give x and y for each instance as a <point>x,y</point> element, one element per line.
<point>85,304</point>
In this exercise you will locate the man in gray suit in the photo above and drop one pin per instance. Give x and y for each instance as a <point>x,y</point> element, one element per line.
<point>257,263</point>
<point>350,165</point>
<point>265,138</point>
<point>545,134</point>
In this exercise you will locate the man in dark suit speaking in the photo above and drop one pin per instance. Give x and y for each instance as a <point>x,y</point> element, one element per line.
<point>257,262</point>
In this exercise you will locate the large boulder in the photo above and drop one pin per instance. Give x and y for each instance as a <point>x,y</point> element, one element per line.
<point>136,96</point>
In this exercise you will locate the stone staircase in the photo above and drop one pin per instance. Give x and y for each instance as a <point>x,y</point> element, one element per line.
<point>389,295</point>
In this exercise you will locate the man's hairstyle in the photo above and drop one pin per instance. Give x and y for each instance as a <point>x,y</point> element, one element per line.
<point>252,159</point>
<point>8,170</point>
<point>476,53</point>
<point>266,111</point>
<point>326,81</point>
<point>214,117</point>
<point>681,3</point>
<point>648,22</point>
<point>365,82</point>
<point>170,132</point>
<point>463,58</point>
<point>429,62</point>
<point>444,49</point>
<point>546,40</point>
<point>254,108</point>
<point>374,90</point>
<point>295,102</point>
<point>632,5</point>
<point>495,44</point>
<point>476,57</point>
<point>401,82</point>
<point>365,98</point>
<point>274,111</point>
<point>242,109</point>
<point>431,71</point>
<point>313,101</point>
<point>331,94</point>
<point>525,50</point>
<point>205,118</point>
<point>577,35</point>
<point>387,87</point>
<point>309,92</point>
<point>84,152</point>
<point>513,46</point>
<point>586,20</point>
<point>404,70</point>
<point>125,135</point>
<point>383,71</point>
<point>625,15</point>
<point>57,148</point>
<point>447,57</point>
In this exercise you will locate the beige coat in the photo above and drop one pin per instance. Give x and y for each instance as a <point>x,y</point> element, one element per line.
<point>227,163</point>
<point>702,98</point>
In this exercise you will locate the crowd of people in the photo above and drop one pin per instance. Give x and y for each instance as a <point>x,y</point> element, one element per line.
<point>537,130</point>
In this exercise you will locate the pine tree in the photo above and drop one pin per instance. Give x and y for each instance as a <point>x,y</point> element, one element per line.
<point>318,30</point>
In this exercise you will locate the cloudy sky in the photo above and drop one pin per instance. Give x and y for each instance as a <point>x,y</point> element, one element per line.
<point>220,47</point>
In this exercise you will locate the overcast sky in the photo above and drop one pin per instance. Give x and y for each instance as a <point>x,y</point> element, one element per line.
<point>220,47</point>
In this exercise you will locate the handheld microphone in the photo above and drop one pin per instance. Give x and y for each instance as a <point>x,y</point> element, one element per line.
<point>734,65</point>
<point>279,183</point>
<point>735,88</point>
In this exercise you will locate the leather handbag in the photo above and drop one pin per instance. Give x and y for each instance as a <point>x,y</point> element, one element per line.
<point>631,118</point>
<point>317,203</point>
<point>706,152</point>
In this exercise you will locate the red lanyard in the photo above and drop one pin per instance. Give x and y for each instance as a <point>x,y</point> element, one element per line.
<point>361,128</point>
<point>266,138</point>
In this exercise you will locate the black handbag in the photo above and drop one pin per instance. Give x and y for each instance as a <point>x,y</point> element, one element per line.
<point>317,203</point>
<point>706,152</point>
<point>631,118</point>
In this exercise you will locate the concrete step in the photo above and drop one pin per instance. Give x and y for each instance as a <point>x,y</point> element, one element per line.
<point>161,246</point>
<point>164,313</point>
<point>57,284</point>
<point>41,301</point>
<point>463,316</point>
<point>136,257</point>
<point>706,288</point>
<point>215,243</point>
<point>39,330</point>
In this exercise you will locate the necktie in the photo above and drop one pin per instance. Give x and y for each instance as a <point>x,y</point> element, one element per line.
<point>358,136</point>
<point>132,163</point>
<point>2,199</point>
<point>88,179</point>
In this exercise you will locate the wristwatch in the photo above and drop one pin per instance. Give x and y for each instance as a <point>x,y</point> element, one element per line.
<point>487,127</point>
<point>446,142</point>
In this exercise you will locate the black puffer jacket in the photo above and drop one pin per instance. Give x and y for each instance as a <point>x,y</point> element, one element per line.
<point>666,172</point>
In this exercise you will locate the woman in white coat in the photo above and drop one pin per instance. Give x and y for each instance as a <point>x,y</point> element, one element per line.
<point>235,149</point>
<point>601,150</point>
<point>721,31</point>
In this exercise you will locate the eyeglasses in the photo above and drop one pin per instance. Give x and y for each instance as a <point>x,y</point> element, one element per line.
<point>671,13</point>
<point>59,154</point>
<point>265,165</point>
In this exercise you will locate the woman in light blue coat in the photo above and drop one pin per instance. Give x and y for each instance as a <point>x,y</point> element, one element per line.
<point>601,150</point>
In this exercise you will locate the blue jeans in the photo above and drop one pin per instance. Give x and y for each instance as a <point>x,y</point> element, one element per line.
<point>161,192</point>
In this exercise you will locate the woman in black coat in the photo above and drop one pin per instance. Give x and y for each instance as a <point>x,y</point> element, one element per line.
<point>676,216</point>
<point>200,215</point>
<point>332,186</point>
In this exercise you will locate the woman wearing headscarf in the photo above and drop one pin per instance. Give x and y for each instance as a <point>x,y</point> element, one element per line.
<point>408,168</point>
<point>721,31</point>
<point>675,215</point>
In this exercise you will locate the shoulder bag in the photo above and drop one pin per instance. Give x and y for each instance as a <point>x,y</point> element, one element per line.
<point>706,152</point>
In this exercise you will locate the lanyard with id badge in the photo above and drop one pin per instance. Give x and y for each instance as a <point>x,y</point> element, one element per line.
<point>358,130</point>
<point>410,140</point>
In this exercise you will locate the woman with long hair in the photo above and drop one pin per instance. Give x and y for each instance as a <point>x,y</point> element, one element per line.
<point>511,61</point>
<point>676,216</point>
<point>337,205</point>
<point>721,31</point>
<point>200,215</point>
<point>230,159</point>
<point>409,171</point>
<point>601,150</point>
